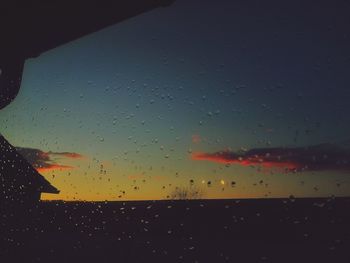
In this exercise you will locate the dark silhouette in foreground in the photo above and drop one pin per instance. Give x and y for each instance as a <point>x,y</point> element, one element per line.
<point>266,230</point>
<point>29,28</point>
<point>20,187</point>
<point>20,183</point>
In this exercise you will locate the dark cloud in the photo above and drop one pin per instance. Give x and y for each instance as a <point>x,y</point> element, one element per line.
<point>312,158</point>
<point>67,155</point>
<point>45,161</point>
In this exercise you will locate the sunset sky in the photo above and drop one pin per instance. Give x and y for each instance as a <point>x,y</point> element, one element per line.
<point>135,110</point>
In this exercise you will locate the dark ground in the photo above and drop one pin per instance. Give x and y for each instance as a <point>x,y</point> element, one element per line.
<point>270,230</point>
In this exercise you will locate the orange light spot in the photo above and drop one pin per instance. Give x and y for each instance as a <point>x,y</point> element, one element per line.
<point>196,138</point>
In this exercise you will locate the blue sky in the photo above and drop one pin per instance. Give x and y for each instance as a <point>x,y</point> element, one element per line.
<point>131,98</point>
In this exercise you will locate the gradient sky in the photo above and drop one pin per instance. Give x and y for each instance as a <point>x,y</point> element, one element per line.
<point>137,99</point>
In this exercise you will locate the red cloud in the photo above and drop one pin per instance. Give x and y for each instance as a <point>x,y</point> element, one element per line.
<point>46,161</point>
<point>51,167</point>
<point>251,161</point>
<point>313,158</point>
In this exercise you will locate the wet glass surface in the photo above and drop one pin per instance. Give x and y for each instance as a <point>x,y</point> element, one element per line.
<point>196,132</point>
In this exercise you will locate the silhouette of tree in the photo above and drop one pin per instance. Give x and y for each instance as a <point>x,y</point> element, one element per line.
<point>186,193</point>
